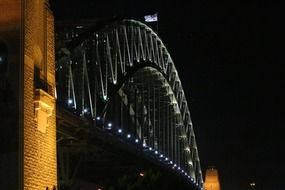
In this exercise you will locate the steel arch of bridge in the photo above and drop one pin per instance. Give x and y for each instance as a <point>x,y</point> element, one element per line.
<point>125,63</point>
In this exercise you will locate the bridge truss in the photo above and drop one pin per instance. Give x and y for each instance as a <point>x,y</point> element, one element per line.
<point>121,76</point>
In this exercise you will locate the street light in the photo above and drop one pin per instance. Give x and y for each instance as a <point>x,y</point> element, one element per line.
<point>252,185</point>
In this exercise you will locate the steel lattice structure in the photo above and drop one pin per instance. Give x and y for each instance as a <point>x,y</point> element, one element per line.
<point>122,75</point>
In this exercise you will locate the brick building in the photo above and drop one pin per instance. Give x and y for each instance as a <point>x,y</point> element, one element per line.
<point>27,103</point>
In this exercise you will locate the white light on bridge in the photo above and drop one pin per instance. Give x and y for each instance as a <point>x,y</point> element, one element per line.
<point>137,140</point>
<point>85,110</point>
<point>115,81</point>
<point>190,163</point>
<point>69,101</point>
<point>171,162</point>
<point>156,152</point>
<point>109,126</point>
<point>187,149</point>
<point>174,165</point>
<point>150,148</point>
<point>128,136</point>
<point>120,130</point>
<point>161,156</point>
<point>98,118</point>
<point>178,168</point>
<point>166,158</point>
<point>144,145</point>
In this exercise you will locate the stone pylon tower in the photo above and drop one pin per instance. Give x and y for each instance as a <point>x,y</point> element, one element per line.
<point>27,96</point>
<point>39,159</point>
<point>212,179</point>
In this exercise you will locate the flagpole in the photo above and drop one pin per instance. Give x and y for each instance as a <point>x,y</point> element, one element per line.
<point>157,24</point>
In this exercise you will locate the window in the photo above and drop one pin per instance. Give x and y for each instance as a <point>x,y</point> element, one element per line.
<point>3,57</point>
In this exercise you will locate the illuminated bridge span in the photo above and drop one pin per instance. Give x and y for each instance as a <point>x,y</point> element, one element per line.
<point>120,76</point>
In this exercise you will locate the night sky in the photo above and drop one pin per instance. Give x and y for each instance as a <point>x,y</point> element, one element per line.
<point>229,59</point>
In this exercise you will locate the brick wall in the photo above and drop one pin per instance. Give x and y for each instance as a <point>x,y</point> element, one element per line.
<point>40,168</point>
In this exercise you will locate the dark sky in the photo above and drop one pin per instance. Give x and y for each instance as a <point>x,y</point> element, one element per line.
<point>229,59</point>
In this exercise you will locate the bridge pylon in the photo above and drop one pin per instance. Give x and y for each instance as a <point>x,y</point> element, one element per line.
<point>39,135</point>
<point>212,179</point>
<point>27,96</point>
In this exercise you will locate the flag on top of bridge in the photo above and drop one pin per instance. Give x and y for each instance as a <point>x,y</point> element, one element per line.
<point>151,18</point>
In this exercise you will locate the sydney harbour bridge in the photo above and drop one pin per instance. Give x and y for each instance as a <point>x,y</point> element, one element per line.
<point>118,92</point>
